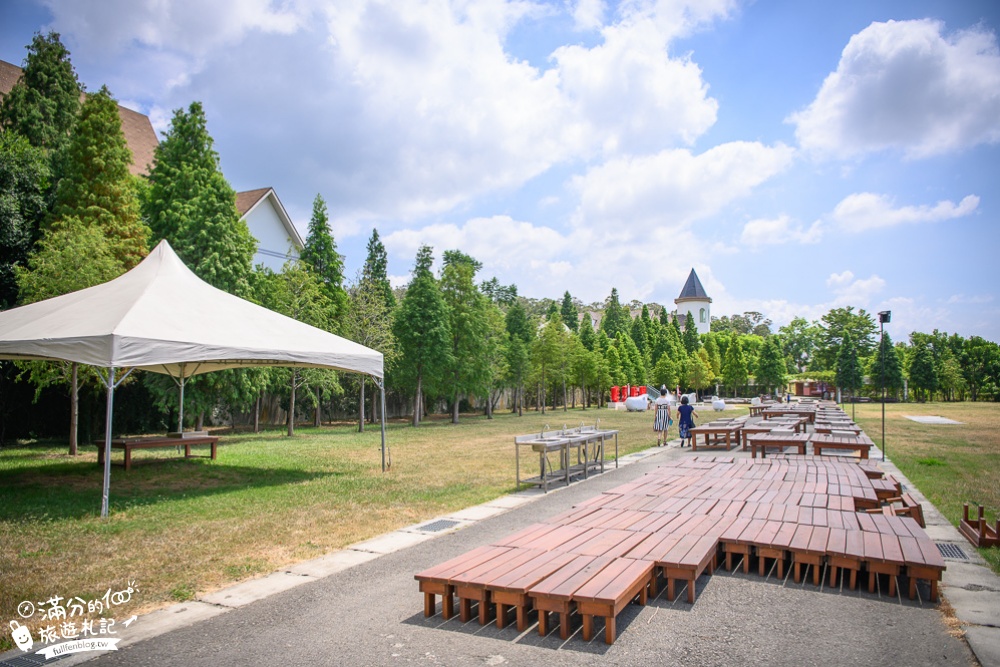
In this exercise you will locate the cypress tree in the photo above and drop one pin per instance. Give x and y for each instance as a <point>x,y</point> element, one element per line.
<point>24,180</point>
<point>376,269</point>
<point>423,333</point>
<point>190,203</point>
<point>96,187</point>
<point>42,106</point>
<point>320,254</point>
<point>570,315</point>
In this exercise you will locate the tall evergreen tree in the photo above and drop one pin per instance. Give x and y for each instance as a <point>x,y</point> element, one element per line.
<point>24,180</point>
<point>848,366</point>
<point>892,369</point>
<point>613,321</point>
<point>923,377</point>
<point>691,339</point>
<point>96,187</point>
<point>570,315</point>
<point>734,367</point>
<point>770,372</point>
<point>376,269</point>
<point>587,335</point>
<point>423,332</point>
<point>320,254</point>
<point>190,203</point>
<point>369,321</point>
<point>43,105</point>
<point>469,369</point>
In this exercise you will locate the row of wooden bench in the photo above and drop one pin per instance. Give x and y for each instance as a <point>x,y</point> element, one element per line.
<point>612,549</point>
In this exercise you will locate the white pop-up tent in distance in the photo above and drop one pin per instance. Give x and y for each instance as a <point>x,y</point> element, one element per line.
<point>161,317</point>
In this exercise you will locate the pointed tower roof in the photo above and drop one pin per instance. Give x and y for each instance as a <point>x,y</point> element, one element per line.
<point>693,290</point>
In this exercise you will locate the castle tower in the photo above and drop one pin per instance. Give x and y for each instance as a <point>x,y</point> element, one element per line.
<point>695,302</point>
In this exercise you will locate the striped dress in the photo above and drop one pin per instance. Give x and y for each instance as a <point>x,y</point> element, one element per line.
<point>662,415</point>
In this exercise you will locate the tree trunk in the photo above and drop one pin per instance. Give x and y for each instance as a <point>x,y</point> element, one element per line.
<point>361,407</point>
<point>318,418</point>
<point>454,410</point>
<point>539,399</point>
<point>565,397</point>
<point>519,399</point>
<point>417,400</point>
<point>256,415</point>
<point>291,407</point>
<point>74,410</point>
<point>201,421</point>
<point>489,405</point>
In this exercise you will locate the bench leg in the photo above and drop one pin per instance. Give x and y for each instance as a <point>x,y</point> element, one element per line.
<point>543,622</point>
<point>464,609</point>
<point>588,627</point>
<point>428,605</point>
<point>522,617</point>
<point>609,630</point>
<point>564,625</point>
<point>501,615</point>
<point>214,448</point>
<point>128,457</point>
<point>691,591</point>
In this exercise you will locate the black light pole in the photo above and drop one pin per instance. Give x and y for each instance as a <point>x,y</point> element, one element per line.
<point>883,318</point>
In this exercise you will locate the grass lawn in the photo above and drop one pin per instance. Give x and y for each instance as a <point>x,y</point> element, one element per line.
<point>179,528</point>
<point>950,464</point>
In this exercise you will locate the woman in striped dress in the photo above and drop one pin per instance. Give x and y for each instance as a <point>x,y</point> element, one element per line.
<point>662,420</point>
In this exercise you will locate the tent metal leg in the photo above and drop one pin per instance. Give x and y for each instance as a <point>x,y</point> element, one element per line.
<point>386,464</point>
<point>110,383</point>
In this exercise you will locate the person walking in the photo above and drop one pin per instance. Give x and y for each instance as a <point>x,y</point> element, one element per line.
<point>662,421</point>
<point>685,420</point>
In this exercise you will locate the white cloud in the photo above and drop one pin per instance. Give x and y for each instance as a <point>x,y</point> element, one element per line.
<point>863,211</point>
<point>851,291</point>
<point>778,231</point>
<point>588,14</point>
<point>675,187</point>
<point>974,299</point>
<point>905,85</point>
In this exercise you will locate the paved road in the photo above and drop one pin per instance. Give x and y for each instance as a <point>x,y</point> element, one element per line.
<point>372,614</point>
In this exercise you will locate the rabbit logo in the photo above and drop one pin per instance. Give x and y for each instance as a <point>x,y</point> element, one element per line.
<point>21,635</point>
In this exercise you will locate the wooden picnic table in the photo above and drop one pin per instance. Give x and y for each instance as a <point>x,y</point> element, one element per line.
<point>829,427</point>
<point>824,441</point>
<point>778,439</point>
<point>793,411</point>
<point>714,432</point>
<point>797,422</point>
<point>156,442</point>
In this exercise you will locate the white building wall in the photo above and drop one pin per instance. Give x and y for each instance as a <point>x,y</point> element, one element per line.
<point>274,246</point>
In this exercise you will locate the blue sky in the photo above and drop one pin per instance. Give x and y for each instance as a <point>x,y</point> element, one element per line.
<point>801,156</point>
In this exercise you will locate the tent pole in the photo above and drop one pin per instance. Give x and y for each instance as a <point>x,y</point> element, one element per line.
<point>180,416</point>
<point>381,386</point>
<point>110,383</point>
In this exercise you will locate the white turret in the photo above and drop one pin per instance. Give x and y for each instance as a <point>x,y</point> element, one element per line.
<point>694,302</point>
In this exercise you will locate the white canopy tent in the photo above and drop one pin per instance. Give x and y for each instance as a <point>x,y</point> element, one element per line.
<point>161,317</point>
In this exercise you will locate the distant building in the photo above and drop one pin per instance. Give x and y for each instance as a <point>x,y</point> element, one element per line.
<point>139,134</point>
<point>695,302</point>
<point>277,239</point>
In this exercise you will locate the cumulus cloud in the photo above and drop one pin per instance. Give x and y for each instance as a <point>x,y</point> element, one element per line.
<point>908,86</point>
<point>779,231</point>
<point>675,187</point>
<point>849,290</point>
<point>863,211</point>
<point>588,14</point>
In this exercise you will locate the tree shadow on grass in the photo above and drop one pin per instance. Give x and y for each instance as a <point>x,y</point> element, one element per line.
<point>72,489</point>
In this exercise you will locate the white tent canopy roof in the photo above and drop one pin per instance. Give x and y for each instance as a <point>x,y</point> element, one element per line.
<point>161,317</point>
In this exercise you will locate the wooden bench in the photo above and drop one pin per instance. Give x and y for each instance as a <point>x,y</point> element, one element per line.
<point>609,591</point>
<point>437,580</point>
<point>860,444</point>
<point>980,533</point>
<point>555,592</point>
<point>779,440</point>
<point>129,444</point>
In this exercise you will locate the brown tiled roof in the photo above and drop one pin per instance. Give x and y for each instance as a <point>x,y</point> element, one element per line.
<point>138,131</point>
<point>9,75</point>
<point>247,200</point>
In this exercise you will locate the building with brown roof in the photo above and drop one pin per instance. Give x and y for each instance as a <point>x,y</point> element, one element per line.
<point>138,131</point>
<point>277,238</point>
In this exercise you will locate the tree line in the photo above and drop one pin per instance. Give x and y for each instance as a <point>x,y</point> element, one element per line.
<point>72,216</point>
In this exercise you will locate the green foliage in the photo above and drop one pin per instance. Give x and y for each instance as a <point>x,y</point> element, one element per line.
<point>734,369</point>
<point>980,364</point>
<point>320,254</point>
<point>770,371</point>
<point>848,369</point>
<point>469,370</point>
<point>69,257</point>
<point>423,332</point>
<point>834,325</point>
<point>712,349</point>
<point>569,313</point>
<point>24,181</point>
<point>42,106</point>
<point>190,203</point>
<point>666,372</point>
<point>923,376</point>
<point>502,295</point>
<point>96,187</point>
<point>893,369</point>
<point>800,340</point>
<point>587,336</point>
<point>692,342</point>
<point>615,316</point>
<point>750,322</point>
<point>549,353</point>
<point>697,372</point>
<point>376,270</point>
